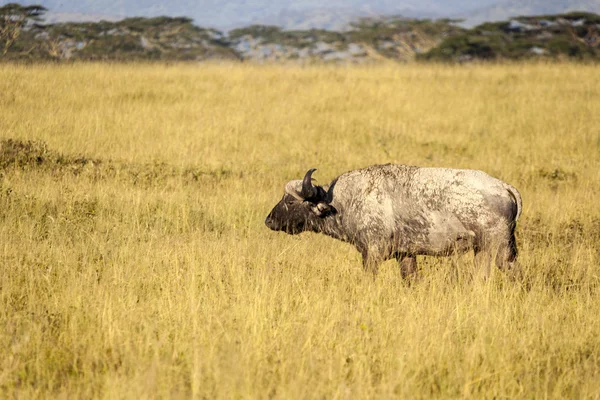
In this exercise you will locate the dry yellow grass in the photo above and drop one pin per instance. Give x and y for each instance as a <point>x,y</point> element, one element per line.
<point>134,262</point>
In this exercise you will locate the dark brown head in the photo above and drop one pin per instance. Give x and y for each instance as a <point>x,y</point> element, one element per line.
<point>302,207</point>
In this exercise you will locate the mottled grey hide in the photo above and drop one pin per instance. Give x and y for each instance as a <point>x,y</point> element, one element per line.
<point>400,211</point>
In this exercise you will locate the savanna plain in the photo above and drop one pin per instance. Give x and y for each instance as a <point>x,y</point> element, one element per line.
<point>135,263</point>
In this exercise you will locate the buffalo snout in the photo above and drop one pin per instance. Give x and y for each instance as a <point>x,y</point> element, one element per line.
<point>271,223</point>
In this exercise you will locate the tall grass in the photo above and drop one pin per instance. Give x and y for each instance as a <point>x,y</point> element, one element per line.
<point>134,262</point>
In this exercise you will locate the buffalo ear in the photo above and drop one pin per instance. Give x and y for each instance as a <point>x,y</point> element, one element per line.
<point>294,188</point>
<point>322,209</point>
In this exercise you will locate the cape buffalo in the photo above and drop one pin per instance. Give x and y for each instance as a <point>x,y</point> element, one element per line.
<point>403,211</point>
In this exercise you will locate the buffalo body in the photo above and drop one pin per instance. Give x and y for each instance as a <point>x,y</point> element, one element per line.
<point>402,211</point>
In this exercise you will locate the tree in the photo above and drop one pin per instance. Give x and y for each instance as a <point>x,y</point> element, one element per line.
<point>13,19</point>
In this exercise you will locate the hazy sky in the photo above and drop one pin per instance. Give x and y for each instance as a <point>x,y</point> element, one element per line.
<point>228,13</point>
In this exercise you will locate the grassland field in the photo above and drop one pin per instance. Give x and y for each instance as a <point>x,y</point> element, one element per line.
<point>135,263</point>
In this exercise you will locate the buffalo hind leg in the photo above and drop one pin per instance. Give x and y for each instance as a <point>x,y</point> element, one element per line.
<point>408,264</point>
<point>504,248</point>
<point>506,258</point>
<point>509,251</point>
<point>500,250</point>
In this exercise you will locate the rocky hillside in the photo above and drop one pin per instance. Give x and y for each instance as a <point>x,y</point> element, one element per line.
<point>573,35</point>
<point>162,38</point>
<point>367,40</point>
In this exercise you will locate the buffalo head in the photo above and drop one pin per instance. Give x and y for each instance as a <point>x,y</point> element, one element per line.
<point>302,207</point>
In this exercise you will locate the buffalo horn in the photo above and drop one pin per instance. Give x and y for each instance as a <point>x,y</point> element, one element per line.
<point>308,190</point>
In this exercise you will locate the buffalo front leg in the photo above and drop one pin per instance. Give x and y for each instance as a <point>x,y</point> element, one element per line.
<point>371,261</point>
<point>408,264</point>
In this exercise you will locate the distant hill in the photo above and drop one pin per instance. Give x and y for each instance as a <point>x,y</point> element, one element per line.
<point>504,10</point>
<point>57,17</point>
<point>25,37</point>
